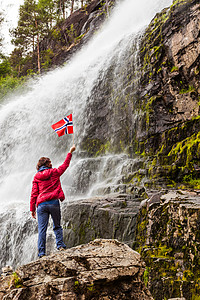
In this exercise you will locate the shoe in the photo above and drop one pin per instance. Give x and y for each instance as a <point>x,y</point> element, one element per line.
<point>61,249</point>
<point>42,255</point>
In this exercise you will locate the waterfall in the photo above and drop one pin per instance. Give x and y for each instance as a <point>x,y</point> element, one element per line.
<point>26,134</point>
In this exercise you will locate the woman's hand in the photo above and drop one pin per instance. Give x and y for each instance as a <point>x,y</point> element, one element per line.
<point>72,149</point>
<point>33,214</point>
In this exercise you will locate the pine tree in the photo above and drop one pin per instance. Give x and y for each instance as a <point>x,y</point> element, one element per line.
<point>27,34</point>
<point>48,14</point>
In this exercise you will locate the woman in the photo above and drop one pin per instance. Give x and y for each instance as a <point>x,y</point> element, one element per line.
<point>45,196</point>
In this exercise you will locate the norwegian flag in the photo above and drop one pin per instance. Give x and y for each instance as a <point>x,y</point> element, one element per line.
<point>64,126</point>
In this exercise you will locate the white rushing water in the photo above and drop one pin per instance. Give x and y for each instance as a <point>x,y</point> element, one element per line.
<point>26,119</point>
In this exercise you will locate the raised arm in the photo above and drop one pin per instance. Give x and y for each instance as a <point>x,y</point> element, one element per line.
<point>66,163</point>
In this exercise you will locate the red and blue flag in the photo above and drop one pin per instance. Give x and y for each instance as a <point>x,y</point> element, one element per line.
<point>64,126</point>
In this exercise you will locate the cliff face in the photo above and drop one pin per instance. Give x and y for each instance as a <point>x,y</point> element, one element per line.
<point>168,238</point>
<point>151,100</point>
<point>102,269</point>
<point>170,90</point>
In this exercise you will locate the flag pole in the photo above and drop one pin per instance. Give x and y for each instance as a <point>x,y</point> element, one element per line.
<point>73,131</point>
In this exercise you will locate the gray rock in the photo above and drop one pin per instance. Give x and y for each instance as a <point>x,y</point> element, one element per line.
<point>102,269</point>
<point>111,216</point>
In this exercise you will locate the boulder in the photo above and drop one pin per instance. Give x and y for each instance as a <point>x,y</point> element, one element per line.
<point>102,269</point>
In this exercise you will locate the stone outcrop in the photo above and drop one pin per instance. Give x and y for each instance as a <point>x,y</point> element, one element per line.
<point>102,269</point>
<point>111,216</point>
<point>168,238</point>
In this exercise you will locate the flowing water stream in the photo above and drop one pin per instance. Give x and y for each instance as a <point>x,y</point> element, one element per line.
<point>26,134</point>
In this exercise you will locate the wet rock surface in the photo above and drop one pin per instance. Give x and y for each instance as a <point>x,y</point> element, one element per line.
<point>111,216</point>
<point>151,100</point>
<point>170,64</point>
<point>168,238</point>
<point>102,269</point>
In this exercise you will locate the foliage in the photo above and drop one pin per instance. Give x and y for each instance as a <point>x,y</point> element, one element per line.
<point>5,67</point>
<point>16,281</point>
<point>24,34</point>
<point>38,20</point>
<point>146,276</point>
<point>9,83</point>
<point>71,32</point>
<point>47,56</point>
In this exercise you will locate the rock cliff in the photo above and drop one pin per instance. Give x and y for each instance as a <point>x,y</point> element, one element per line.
<point>151,101</point>
<point>168,238</point>
<point>102,269</point>
<point>170,91</point>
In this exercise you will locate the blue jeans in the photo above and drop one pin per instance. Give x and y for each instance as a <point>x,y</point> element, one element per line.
<point>43,211</point>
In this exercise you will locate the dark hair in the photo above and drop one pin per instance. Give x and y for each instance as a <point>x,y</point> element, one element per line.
<point>43,161</point>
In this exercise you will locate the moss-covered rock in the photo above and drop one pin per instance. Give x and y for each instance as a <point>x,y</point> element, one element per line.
<point>170,93</point>
<point>167,237</point>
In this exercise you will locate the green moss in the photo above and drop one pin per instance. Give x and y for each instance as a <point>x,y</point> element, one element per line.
<point>82,231</point>
<point>178,3</point>
<point>77,287</point>
<point>95,147</point>
<point>195,297</point>
<point>185,91</point>
<point>141,228</point>
<point>124,204</point>
<point>174,68</point>
<point>162,252</point>
<point>146,276</point>
<point>179,154</point>
<point>188,275</point>
<point>185,148</point>
<point>172,262</point>
<point>16,280</point>
<point>91,288</point>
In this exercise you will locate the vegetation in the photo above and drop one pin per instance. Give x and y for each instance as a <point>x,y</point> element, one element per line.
<point>16,281</point>
<point>38,20</point>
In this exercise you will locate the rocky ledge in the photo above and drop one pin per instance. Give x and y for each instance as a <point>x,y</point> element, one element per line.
<point>102,269</point>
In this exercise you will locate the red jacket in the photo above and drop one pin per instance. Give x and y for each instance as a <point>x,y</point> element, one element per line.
<point>47,186</point>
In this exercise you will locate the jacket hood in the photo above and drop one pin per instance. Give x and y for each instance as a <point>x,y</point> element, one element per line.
<point>43,174</point>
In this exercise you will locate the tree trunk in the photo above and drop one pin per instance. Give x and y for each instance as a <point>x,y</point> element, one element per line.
<point>107,10</point>
<point>38,46</point>
<point>38,52</point>
<point>72,7</point>
<point>33,43</point>
<point>63,8</point>
<point>19,70</point>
